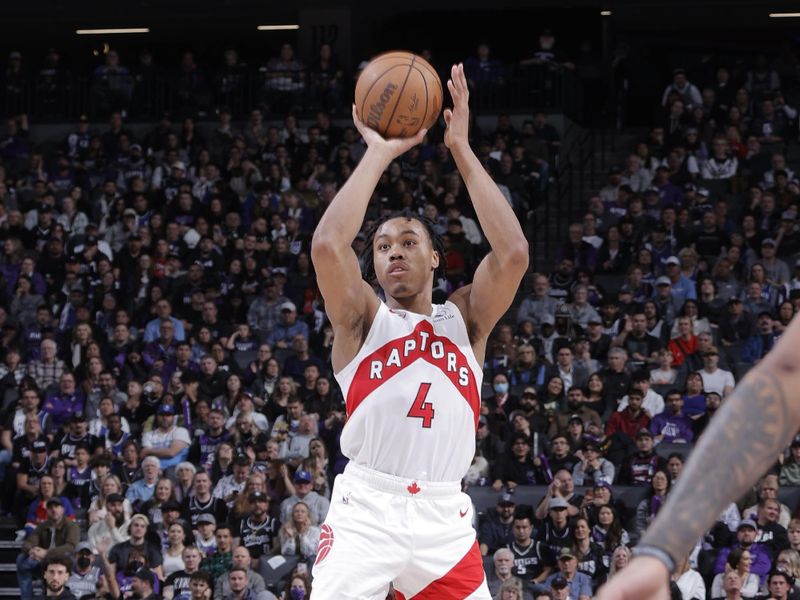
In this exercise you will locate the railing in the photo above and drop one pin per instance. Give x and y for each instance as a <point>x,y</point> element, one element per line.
<point>578,161</point>
<point>147,96</point>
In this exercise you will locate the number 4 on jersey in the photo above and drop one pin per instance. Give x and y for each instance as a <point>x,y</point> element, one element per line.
<point>421,408</point>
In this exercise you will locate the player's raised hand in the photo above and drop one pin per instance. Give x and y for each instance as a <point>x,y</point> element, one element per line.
<point>391,148</point>
<point>645,578</point>
<point>457,118</point>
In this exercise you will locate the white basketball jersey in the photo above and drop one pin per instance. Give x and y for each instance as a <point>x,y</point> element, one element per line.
<point>413,396</point>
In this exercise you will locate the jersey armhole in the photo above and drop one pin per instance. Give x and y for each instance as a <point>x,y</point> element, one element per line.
<point>382,308</point>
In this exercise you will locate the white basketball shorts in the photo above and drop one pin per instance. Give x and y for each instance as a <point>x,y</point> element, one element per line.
<point>415,535</point>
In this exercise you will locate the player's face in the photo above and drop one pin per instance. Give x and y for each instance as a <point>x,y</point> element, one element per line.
<point>404,257</point>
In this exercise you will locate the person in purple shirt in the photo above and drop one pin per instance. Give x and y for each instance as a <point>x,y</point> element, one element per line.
<point>163,347</point>
<point>67,401</point>
<point>746,535</point>
<point>671,425</point>
<point>669,193</point>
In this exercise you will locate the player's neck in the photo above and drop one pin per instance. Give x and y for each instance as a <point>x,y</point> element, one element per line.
<point>421,304</point>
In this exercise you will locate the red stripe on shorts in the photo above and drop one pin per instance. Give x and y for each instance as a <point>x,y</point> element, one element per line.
<point>458,583</point>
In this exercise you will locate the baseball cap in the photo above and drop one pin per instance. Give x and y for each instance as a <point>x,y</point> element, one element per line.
<point>575,418</point>
<point>672,260</point>
<point>796,442</point>
<point>144,574</point>
<point>663,280</point>
<point>77,417</point>
<point>115,498</point>
<point>55,500</point>
<point>209,518</point>
<point>747,523</point>
<point>625,289</point>
<point>602,484</point>
<point>259,496</point>
<point>166,409</point>
<point>559,582</point>
<point>788,215</point>
<point>178,164</point>
<point>288,306</point>
<point>128,212</point>
<point>170,505</point>
<point>557,502</point>
<point>83,546</point>
<point>565,553</point>
<point>505,499</point>
<point>701,191</point>
<point>768,242</point>
<point>547,319</point>
<point>39,446</point>
<point>643,433</point>
<point>303,476</point>
<point>529,391</point>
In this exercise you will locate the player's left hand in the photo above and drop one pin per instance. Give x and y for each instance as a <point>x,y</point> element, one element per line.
<point>457,118</point>
<point>391,148</point>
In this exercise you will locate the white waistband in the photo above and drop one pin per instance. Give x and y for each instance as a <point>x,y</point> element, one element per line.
<point>402,486</point>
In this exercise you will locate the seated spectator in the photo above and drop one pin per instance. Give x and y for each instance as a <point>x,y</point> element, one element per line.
<point>768,488</point>
<point>756,346</point>
<point>672,426</point>
<point>593,468</point>
<point>652,402</point>
<point>745,539</point>
<point>495,530</point>
<point>532,559</point>
<point>648,508</point>
<point>640,468</point>
<point>790,469</point>
<point>255,583</point>
<point>517,467</point>
<point>630,420</point>
<point>684,344</point>
<point>579,584</point>
<point>55,538</point>
<point>714,378</point>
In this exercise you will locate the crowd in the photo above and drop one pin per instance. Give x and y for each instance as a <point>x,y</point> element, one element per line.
<point>170,422</point>
<point>678,277</point>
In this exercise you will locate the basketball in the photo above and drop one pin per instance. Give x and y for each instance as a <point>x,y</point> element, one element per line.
<point>397,94</point>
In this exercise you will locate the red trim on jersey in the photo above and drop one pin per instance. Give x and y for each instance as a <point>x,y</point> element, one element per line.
<point>362,385</point>
<point>458,583</point>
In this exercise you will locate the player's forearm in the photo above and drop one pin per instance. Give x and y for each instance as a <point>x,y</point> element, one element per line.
<point>756,422</point>
<point>342,219</point>
<point>497,219</point>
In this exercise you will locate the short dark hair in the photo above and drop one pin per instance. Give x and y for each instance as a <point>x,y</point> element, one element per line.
<point>201,576</point>
<point>368,255</point>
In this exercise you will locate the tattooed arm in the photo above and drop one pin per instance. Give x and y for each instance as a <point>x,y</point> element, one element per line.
<point>754,425</point>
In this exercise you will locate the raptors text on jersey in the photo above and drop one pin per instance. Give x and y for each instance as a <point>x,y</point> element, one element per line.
<point>413,396</point>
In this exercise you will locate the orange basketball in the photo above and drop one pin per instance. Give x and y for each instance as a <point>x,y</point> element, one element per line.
<point>397,94</point>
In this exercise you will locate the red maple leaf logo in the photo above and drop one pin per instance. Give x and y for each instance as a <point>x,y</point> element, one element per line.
<point>414,488</point>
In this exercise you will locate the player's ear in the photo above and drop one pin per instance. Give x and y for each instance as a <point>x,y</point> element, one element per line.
<point>435,261</point>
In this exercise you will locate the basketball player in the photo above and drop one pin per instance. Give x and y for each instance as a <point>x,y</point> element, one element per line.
<point>755,424</point>
<point>411,375</point>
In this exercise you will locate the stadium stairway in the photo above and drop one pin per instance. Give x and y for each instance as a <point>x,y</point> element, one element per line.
<point>9,549</point>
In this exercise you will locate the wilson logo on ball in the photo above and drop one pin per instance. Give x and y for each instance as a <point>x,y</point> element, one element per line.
<point>376,110</point>
<point>325,542</point>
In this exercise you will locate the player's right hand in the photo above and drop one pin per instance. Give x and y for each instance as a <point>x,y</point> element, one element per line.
<point>645,578</point>
<point>391,148</point>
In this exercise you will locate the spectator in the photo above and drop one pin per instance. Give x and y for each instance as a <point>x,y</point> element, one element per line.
<point>714,378</point>
<point>55,539</point>
<point>745,539</point>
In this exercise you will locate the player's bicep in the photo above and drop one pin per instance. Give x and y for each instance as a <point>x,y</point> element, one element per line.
<point>491,293</point>
<point>348,298</point>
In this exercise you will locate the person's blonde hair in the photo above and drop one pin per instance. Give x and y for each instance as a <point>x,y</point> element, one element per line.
<point>510,584</point>
<point>617,550</point>
<point>793,557</point>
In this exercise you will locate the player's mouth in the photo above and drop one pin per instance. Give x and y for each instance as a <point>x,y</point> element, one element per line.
<point>397,268</point>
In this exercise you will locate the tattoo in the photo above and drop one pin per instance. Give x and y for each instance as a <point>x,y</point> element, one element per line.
<point>741,443</point>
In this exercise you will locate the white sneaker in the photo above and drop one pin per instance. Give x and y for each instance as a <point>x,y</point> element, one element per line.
<point>21,535</point>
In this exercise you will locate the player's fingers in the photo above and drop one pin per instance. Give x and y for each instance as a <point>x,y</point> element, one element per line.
<point>448,114</point>
<point>462,78</point>
<point>454,93</point>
